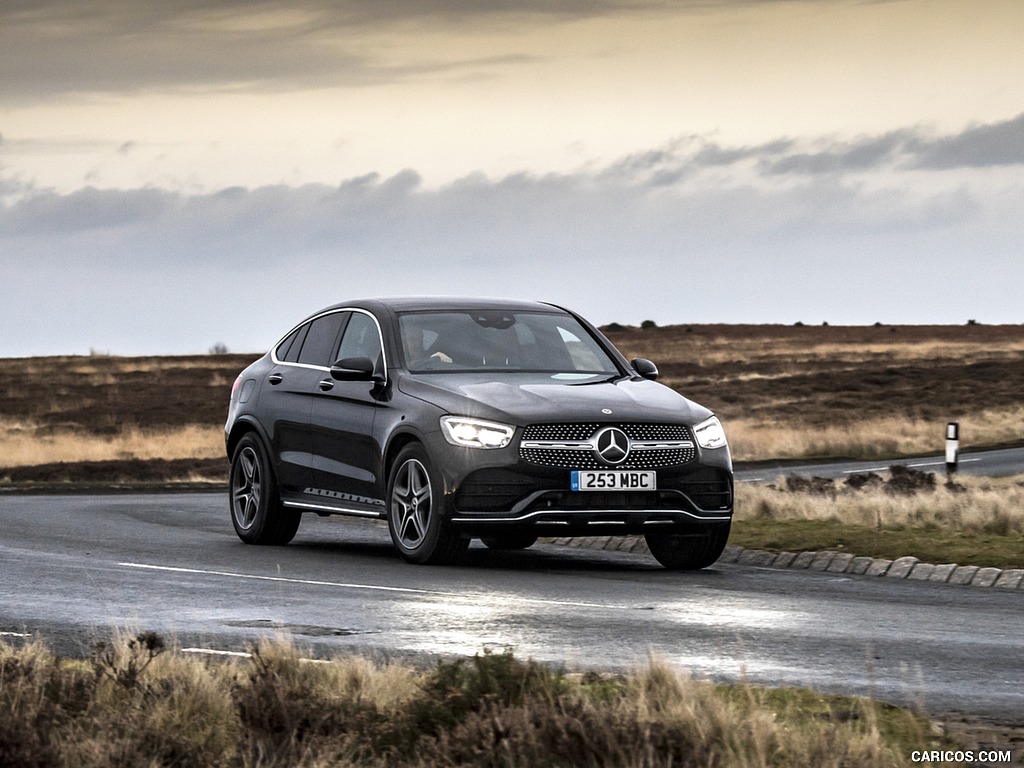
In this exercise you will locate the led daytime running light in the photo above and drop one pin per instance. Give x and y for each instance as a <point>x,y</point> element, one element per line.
<point>475,433</point>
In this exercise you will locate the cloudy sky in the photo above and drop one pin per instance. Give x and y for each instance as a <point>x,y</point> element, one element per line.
<point>176,174</point>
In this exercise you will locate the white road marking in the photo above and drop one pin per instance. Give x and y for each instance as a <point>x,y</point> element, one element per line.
<point>212,652</point>
<point>242,655</point>
<point>372,587</point>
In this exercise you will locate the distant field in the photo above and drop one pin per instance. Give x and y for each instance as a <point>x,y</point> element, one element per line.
<point>845,391</point>
<point>782,391</point>
<point>123,418</point>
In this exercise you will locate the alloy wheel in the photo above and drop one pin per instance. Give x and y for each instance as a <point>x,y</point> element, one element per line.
<point>411,502</point>
<point>248,488</point>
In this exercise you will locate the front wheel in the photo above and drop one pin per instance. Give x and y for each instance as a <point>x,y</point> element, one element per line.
<point>679,552</point>
<point>416,511</point>
<point>256,509</point>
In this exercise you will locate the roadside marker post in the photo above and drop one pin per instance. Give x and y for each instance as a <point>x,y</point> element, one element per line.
<point>952,446</point>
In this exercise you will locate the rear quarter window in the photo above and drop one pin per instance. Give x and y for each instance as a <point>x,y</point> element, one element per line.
<point>288,350</point>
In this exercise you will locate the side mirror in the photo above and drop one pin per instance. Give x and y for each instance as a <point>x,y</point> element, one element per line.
<point>355,369</point>
<point>645,368</point>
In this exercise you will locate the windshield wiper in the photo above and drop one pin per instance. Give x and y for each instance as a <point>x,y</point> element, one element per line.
<point>604,380</point>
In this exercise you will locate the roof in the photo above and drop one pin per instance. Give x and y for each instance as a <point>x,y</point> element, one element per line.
<point>426,303</point>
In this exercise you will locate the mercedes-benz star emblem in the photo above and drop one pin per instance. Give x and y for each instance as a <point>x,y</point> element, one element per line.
<point>612,445</point>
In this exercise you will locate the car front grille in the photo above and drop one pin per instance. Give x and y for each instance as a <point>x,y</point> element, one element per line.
<point>572,446</point>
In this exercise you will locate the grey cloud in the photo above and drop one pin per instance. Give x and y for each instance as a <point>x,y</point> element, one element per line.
<point>839,157</point>
<point>60,49</point>
<point>65,46</point>
<point>84,209</point>
<point>977,147</point>
<point>190,269</point>
<point>994,144</point>
<point>398,214</point>
<point>130,14</point>
<point>712,155</point>
<point>680,160</point>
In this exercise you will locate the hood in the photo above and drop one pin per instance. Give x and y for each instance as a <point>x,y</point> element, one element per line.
<point>522,399</point>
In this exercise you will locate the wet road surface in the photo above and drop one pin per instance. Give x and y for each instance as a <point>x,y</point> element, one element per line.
<point>75,568</point>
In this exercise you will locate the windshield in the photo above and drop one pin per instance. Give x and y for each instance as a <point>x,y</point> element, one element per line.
<point>495,340</point>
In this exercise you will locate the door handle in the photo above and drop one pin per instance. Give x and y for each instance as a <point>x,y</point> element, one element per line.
<point>275,378</point>
<point>326,385</point>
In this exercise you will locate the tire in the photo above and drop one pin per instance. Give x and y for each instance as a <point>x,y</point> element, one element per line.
<point>511,541</point>
<point>416,511</point>
<point>679,552</point>
<point>256,509</point>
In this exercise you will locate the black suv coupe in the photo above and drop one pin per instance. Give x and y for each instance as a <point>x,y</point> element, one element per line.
<point>456,418</point>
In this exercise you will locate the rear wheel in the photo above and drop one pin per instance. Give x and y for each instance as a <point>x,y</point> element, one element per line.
<point>679,552</point>
<point>416,511</point>
<point>256,509</point>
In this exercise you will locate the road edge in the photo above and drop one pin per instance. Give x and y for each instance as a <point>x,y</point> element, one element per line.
<point>827,561</point>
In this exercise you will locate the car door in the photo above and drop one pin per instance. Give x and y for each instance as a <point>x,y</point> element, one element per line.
<point>289,395</point>
<point>347,456</point>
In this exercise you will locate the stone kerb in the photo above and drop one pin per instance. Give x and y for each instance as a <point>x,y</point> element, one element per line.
<point>827,561</point>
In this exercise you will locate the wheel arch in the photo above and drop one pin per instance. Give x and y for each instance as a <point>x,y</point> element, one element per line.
<point>240,429</point>
<point>395,446</point>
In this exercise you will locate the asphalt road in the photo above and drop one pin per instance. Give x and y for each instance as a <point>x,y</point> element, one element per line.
<point>75,568</point>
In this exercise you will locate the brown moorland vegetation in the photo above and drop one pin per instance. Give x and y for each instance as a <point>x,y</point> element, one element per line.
<point>114,419</point>
<point>844,391</point>
<point>136,702</point>
<point>783,392</point>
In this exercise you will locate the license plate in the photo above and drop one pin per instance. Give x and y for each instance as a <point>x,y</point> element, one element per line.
<point>612,480</point>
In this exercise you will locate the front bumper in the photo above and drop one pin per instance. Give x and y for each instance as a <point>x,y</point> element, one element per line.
<point>688,499</point>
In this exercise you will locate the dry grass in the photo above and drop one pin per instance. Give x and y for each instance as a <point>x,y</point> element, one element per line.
<point>972,505</point>
<point>868,438</point>
<point>782,392</point>
<point>750,346</point>
<point>859,392</point>
<point>137,703</point>
<point>721,352</point>
<point>24,444</point>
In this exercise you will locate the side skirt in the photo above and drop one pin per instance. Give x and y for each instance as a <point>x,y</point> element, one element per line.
<point>325,503</point>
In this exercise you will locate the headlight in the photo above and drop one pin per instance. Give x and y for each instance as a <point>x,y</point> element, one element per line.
<point>474,433</point>
<point>709,434</point>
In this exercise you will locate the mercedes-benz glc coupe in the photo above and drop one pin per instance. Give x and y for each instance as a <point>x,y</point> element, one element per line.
<point>455,419</point>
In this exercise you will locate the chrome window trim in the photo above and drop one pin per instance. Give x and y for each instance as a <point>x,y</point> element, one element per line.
<point>307,366</point>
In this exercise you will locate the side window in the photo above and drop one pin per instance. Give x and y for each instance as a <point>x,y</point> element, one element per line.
<point>361,339</point>
<point>288,350</point>
<point>320,339</point>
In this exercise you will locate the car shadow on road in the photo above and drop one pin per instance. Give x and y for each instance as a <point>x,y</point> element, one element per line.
<point>541,557</point>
